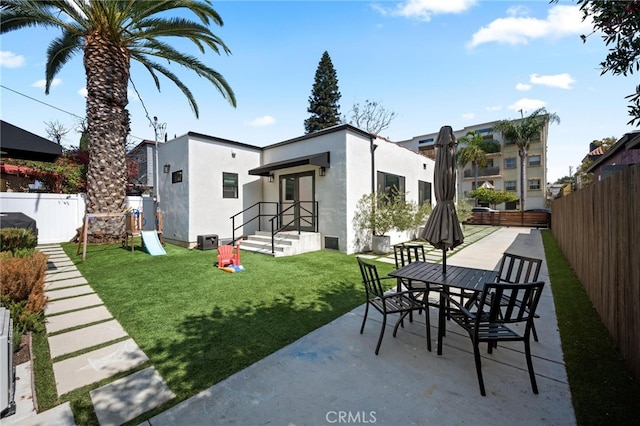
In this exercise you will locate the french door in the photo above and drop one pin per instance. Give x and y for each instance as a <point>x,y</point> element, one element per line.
<point>297,195</point>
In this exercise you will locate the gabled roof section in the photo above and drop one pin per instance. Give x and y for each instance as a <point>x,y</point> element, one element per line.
<point>629,140</point>
<point>23,145</point>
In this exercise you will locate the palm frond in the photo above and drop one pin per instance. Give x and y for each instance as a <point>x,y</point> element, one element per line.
<point>60,50</point>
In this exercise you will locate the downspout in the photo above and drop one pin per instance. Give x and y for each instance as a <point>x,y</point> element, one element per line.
<point>372,149</point>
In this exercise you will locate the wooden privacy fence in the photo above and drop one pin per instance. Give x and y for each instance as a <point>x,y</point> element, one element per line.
<point>503,218</point>
<point>598,230</point>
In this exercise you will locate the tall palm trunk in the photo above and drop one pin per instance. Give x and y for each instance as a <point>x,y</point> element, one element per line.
<point>107,70</point>
<point>523,176</point>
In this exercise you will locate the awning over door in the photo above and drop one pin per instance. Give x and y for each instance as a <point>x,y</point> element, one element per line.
<point>320,160</point>
<point>20,144</point>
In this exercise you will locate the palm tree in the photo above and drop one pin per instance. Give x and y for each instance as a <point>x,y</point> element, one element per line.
<point>521,133</point>
<point>473,150</point>
<point>111,33</point>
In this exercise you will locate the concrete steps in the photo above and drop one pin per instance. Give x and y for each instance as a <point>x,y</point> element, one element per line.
<point>288,243</point>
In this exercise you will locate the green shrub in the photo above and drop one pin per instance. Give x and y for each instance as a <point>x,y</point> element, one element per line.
<point>23,320</point>
<point>12,239</point>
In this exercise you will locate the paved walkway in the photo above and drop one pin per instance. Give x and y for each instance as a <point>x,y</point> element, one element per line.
<point>329,376</point>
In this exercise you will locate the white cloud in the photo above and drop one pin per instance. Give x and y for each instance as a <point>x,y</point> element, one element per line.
<point>42,83</point>
<point>423,10</point>
<point>83,92</point>
<point>468,116</point>
<point>10,59</point>
<point>523,87</point>
<point>527,105</point>
<point>561,21</point>
<point>563,81</point>
<point>265,120</point>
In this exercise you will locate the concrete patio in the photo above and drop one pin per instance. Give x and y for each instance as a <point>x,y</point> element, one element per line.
<point>333,376</point>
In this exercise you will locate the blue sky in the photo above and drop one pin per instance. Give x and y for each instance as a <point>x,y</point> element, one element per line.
<point>432,62</point>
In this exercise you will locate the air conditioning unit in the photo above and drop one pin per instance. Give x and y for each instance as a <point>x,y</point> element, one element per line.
<point>7,371</point>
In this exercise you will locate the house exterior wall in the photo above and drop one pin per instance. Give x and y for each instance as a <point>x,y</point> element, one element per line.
<point>195,206</point>
<point>330,189</point>
<point>348,178</point>
<point>388,158</point>
<point>175,197</point>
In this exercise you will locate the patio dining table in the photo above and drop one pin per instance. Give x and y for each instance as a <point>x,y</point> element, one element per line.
<point>465,279</point>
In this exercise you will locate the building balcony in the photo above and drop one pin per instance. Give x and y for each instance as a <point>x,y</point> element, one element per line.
<point>482,172</point>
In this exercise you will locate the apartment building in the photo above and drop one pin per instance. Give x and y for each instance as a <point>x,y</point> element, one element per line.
<point>503,167</point>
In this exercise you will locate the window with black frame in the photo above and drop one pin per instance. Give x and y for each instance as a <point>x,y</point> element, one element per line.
<point>229,185</point>
<point>391,185</point>
<point>424,192</point>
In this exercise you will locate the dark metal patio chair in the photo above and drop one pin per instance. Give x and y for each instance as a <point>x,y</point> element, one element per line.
<point>387,303</point>
<point>519,269</point>
<point>500,305</point>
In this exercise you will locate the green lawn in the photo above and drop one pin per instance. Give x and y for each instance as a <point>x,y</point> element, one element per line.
<point>198,324</point>
<point>602,389</point>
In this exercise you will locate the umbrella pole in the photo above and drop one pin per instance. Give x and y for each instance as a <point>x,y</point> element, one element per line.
<point>444,260</point>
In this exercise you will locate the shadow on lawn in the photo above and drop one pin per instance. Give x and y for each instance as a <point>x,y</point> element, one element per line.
<point>221,343</point>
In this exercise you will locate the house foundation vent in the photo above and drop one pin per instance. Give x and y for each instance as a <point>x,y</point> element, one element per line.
<point>331,243</point>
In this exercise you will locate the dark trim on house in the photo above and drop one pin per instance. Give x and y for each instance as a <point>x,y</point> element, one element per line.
<point>227,141</point>
<point>321,160</point>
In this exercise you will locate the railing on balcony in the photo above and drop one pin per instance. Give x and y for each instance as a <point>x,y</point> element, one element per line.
<point>484,171</point>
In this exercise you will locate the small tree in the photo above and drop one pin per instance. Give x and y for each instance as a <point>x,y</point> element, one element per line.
<point>472,151</point>
<point>493,197</point>
<point>371,116</point>
<point>380,213</point>
<point>56,131</point>
<point>521,133</point>
<point>324,102</point>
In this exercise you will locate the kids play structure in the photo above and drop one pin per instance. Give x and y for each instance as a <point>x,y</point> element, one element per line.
<point>134,223</point>
<point>229,259</point>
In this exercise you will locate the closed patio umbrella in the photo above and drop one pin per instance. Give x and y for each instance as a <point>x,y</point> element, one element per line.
<point>443,229</point>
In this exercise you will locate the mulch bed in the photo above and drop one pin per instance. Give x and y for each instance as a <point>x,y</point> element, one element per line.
<point>22,354</point>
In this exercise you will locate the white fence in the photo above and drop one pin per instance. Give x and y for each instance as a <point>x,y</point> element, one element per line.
<point>57,216</point>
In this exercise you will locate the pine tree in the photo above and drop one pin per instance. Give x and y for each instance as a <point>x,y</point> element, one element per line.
<point>324,100</point>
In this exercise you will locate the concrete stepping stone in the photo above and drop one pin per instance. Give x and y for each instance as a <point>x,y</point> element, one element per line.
<point>57,257</point>
<point>83,338</point>
<point>59,269</point>
<point>71,282</point>
<point>60,415</point>
<point>51,247</point>
<point>64,305</point>
<point>58,260</point>
<point>91,367</point>
<point>59,263</point>
<point>62,276</point>
<point>129,397</point>
<point>54,294</point>
<point>61,322</point>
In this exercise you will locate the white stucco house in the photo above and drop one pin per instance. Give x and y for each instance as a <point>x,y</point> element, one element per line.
<point>313,181</point>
